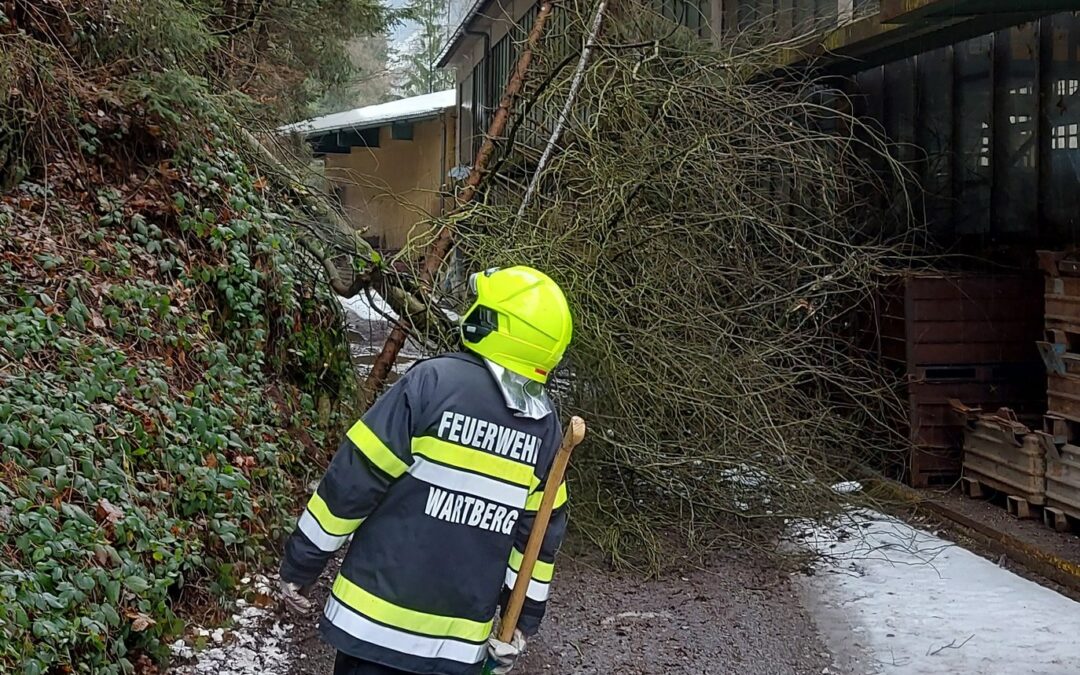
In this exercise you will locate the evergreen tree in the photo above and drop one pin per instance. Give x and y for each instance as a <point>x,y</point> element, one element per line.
<point>418,72</point>
<point>371,81</point>
<point>287,56</point>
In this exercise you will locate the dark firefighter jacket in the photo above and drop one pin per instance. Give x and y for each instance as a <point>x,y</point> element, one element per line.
<point>438,485</point>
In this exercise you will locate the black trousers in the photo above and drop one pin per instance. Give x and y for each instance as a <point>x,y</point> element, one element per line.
<point>350,665</point>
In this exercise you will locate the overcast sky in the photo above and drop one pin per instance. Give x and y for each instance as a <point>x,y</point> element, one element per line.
<point>402,32</point>
<point>397,38</point>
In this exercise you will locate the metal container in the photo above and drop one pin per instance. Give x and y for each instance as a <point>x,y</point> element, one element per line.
<point>1004,454</point>
<point>961,336</point>
<point>1063,479</point>
<point>935,319</point>
<point>936,434</point>
<point>1062,298</point>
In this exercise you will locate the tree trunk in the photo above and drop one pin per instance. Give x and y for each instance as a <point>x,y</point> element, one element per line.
<point>435,256</point>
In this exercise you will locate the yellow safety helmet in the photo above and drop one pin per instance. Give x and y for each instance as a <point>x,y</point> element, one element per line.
<point>519,319</point>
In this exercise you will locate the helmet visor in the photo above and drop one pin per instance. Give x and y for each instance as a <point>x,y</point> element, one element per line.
<point>481,321</point>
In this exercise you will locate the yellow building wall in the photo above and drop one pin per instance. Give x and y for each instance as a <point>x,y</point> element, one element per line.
<point>387,191</point>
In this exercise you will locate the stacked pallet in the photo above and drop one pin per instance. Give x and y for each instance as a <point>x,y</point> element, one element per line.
<point>1004,455</point>
<point>1061,354</point>
<point>969,337</point>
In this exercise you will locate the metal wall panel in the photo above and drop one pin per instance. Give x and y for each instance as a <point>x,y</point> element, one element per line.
<point>973,117</point>
<point>1016,108</point>
<point>997,130</point>
<point>867,105</point>
<point>803,15</point>
<point>825,12</point>
<point>934,135</point>
<point>899,109</point>
<point>1060,117</point>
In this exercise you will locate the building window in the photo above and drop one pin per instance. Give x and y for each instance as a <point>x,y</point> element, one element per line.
<point>1065,137</point>
<point>984,149</point>
<point>1027,160</point>
<point>401,131</point>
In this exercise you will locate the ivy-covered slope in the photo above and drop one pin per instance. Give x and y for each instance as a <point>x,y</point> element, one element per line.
<point>171,371</point>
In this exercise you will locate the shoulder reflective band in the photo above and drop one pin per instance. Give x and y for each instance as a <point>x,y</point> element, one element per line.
<point>389,614</point>
<point>376,451</point>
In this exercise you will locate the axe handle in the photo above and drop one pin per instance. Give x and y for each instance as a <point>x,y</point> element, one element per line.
<point>574,433</point>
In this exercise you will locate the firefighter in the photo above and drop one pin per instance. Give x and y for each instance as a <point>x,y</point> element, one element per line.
<point>437,487</point>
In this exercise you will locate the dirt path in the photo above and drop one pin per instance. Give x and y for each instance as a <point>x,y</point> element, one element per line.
<point>733,617</point>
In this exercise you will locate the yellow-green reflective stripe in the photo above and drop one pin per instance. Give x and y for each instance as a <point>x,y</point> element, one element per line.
<point>473,460</point>
<point>375,450</point>
<point>390,614</point>
<point>542,571</point>
<point>534,500</point>
<point>331,524</point>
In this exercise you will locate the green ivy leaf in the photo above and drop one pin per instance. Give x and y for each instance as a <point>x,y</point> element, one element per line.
<point>109,615</point>
<point>47,527</point>
<point>112,591</point>
<point>136,584</point>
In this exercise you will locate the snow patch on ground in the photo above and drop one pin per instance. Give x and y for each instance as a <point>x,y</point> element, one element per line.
<point>400,367</point>
<point>917,603</point>
<point>256,643</point>
<point>847,487</point>
<point>369,324</point>
<point>364,309</point>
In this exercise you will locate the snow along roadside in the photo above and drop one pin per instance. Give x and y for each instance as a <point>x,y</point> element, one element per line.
<point>911,602</point>
<point>256,643</point>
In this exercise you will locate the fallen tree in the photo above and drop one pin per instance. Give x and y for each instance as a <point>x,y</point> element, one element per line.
<point>716,232</point>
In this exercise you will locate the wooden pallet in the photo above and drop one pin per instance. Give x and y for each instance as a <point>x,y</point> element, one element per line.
<point>972,488</point>
<point>1021,508</point>
<point>1057,519</point>
<point>1062,429</point>
<point>981,487</point>
<point>1065,335</point>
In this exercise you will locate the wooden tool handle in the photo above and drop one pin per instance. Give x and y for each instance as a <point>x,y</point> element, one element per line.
<point>574,433</point>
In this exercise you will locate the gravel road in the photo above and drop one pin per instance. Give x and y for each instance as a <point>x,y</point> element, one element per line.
<point>735,616</point>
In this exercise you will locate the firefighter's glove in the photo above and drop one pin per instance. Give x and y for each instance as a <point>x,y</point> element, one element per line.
<point>292,595</point>
<point>503,655</point>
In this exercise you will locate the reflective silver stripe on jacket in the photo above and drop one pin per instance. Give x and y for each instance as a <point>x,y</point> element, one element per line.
<point>468,483</point>
<point>421,646</point>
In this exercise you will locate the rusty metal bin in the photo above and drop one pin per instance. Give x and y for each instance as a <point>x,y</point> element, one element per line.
<point>937,436</point>
<point>960,318</point>
<point>968,336</point>
<point>1063,479</point>
<point>1063,465</point>
<point>1004,454</point>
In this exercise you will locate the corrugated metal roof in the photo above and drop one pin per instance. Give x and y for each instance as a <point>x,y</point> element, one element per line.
<point>403,110</point>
